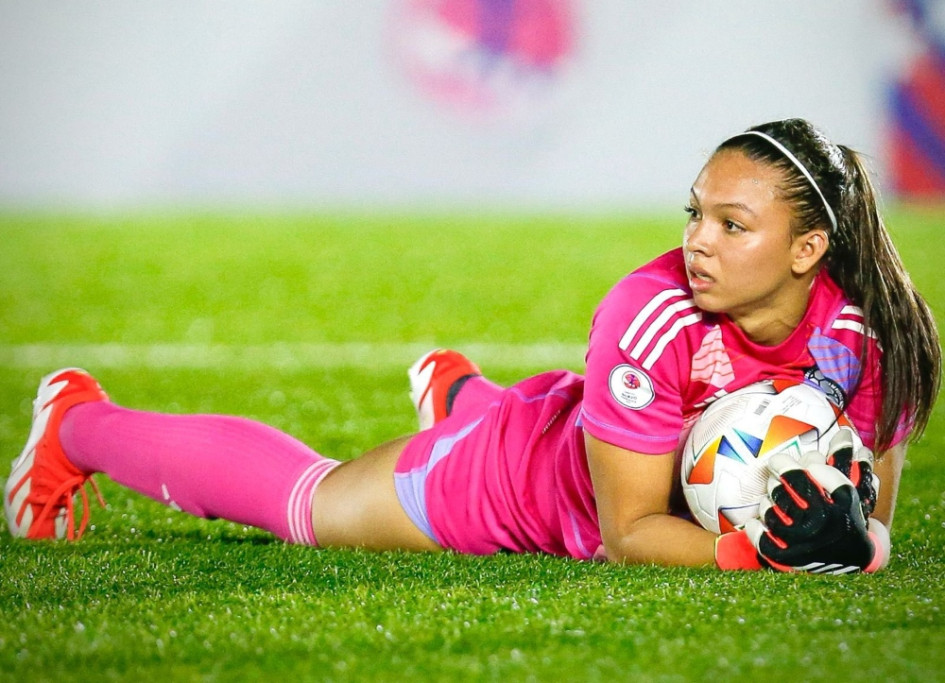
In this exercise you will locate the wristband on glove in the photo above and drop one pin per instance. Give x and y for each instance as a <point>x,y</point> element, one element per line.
<point>734,550</point>
<point>882,546</point>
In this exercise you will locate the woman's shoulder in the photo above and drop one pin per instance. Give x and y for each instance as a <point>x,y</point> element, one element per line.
<point>665,272</point>
<point>654,296</point>
<point>831,308</point>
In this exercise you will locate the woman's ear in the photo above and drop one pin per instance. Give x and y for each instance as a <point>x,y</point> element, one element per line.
<point>809,248</point>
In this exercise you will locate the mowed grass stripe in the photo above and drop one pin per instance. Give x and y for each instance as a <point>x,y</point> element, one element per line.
<point>288,356</point>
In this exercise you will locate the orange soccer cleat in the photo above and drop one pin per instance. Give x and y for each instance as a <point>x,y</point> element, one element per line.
<point>434,383</point>
<point>38,496</point>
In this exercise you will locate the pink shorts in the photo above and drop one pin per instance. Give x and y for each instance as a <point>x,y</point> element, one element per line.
<point>508,475</point>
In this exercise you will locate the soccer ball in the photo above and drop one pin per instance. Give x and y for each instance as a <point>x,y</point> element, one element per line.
<point>724,473</point>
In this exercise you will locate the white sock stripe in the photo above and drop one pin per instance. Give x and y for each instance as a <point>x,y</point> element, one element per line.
<point>300,521</point>
<point>297,531</point>
<point>294,510</point>
<point>282,356</point>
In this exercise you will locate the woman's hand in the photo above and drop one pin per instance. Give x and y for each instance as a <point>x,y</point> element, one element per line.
<point>813,521</point>
<point>856,464</point>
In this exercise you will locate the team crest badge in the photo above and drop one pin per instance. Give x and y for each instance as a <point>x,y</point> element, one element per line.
<point>632,388</point>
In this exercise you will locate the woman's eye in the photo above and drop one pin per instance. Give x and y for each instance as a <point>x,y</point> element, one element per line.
<point>733,227</point>
<point>690,210</point>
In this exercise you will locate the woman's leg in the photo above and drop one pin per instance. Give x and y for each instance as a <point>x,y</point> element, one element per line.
<point>357,505</point>
<point>211,466</point>
<point>442,381</point>
<point>231,468</point>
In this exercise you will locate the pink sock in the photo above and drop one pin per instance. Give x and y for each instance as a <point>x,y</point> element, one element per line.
<point>477,391</point>
<point>211,466</point>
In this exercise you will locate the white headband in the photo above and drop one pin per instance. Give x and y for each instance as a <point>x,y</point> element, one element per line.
<point>800,167</point>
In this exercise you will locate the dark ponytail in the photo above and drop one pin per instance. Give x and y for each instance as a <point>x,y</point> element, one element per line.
<point>865,263</point>
<point>862,259</point>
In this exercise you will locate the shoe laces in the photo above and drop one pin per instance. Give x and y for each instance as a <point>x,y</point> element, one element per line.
<point>67,489</point>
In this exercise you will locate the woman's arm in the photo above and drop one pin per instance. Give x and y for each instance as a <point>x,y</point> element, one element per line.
<point>633,492</point>
<point>888,467</point>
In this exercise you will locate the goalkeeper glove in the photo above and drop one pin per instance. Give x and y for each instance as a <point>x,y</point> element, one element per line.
<point>817,528</point>
<point>813,521</point>
<point>857,466</point>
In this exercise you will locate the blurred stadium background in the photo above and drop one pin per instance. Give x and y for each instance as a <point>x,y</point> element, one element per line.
<point>199,202</point>
<point>563,104</point>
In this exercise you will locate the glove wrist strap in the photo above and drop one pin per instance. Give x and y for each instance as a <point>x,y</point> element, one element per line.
<point>735,551</point>
<point>882,546</point>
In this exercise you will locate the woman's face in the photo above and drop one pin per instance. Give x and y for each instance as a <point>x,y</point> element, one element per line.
<point>741,258</point>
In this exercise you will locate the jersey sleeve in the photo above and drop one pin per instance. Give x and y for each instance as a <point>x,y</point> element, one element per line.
<point>633,393</point>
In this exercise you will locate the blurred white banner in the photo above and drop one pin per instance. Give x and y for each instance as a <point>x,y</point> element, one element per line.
<point>593,104</point>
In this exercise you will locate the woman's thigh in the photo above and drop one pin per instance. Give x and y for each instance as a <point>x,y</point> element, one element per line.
<point>357,505</point>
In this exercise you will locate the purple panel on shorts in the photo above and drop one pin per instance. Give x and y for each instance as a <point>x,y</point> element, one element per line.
<point>410,484</point>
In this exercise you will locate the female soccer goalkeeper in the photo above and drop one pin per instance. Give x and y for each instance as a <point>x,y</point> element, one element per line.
<point>786,270</point>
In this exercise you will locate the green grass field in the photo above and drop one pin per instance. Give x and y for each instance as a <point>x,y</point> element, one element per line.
<point>308,323</point>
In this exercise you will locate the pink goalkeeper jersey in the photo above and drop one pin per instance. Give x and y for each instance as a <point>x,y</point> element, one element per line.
<point>655,360</point>
<point>512,475</point>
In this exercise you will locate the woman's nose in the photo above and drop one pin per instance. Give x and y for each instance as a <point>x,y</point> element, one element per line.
<point>698,238</point>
